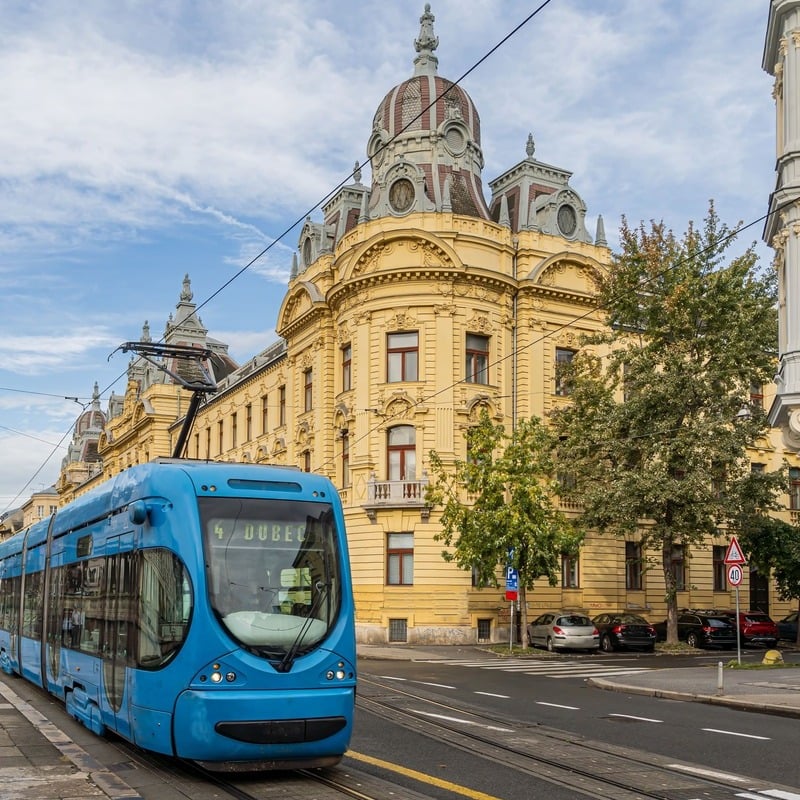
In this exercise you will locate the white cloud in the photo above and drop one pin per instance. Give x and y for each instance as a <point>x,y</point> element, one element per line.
<point>145,140</point>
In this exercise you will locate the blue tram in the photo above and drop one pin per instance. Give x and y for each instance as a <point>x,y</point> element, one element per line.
<point>201,610</point>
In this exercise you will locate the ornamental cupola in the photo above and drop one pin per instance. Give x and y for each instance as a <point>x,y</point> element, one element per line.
<point>425,146</point>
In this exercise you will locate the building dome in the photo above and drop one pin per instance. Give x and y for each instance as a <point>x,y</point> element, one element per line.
<point>425,146</point>
<point>93,420</point>
<point>407,109</point>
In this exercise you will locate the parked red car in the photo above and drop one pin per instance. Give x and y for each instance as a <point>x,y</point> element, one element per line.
<point>755,627</point>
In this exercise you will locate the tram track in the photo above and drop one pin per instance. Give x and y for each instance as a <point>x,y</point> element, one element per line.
<point>331,783</point>
<point>593,768</point>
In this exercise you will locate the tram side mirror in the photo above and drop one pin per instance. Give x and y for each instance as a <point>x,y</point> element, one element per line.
<point>137,512</point>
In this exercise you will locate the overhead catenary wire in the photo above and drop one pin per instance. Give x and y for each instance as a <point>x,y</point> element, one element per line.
<point>313,208</point>
<point>332,192</point>
<point>564,325</point>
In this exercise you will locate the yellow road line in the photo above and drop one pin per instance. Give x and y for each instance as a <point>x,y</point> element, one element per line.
<point>422,777</point>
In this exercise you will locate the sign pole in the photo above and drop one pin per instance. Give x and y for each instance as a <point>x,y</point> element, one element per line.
<point>738,631</point>
<point>734,558</point>
<point>512,589</point>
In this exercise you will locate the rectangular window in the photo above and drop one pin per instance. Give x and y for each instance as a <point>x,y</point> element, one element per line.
<point>234,429</point>
<point>345,459</point>
<point>248,422</point>
<point>220,434</point>
<point>679,567</point>
<point>484,630</point>
<point>401,357</point>
<point>197,445</point>
<point>477,359</point>
<point>398,630</point>
<point>307,461</point>
<point>756,395</point>
<point>569,572</point>
<point>281,405</point>
<point>633,566</point>
<point>400,559</point>
<point>347,355</point>
<point>308,390</point>
<point>208,442</point>
<point>720,568</point>
<point>264,414</point>
<point>564,358</point>
<point>794,489</point>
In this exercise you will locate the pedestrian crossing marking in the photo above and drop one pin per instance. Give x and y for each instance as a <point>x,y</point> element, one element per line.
<point>545,667</point>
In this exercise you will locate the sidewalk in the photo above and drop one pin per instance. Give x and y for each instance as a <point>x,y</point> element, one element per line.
<point>38,761</point>
<point>771,691</point>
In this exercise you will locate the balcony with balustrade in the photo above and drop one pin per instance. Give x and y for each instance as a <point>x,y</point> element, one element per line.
<point>405,494</point>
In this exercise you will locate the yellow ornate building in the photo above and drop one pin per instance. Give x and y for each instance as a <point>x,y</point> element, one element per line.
<point>413,305</point>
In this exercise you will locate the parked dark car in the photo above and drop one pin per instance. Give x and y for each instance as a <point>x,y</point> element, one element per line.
<point>625,632</point>
<point>755,627</point>
<point>700,629</point>
<point>787,627</point>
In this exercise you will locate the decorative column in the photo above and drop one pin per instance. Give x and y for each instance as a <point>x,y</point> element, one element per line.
<point>782,229</point>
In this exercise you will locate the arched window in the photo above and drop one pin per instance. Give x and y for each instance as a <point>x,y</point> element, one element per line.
<point>402,453</point>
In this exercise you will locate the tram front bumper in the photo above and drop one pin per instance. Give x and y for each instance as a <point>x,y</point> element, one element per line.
<point>236,726</point>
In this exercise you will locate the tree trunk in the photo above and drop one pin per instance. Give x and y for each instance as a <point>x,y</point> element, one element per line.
<point>671,593</point>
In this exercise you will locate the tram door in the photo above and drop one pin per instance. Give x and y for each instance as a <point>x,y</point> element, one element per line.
<point>120,604</point>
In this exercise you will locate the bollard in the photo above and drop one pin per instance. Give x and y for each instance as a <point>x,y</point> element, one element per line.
<point>720,686</point>
<point>772,657</point>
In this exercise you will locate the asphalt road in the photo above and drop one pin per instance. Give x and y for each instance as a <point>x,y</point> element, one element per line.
<point>554,692</point>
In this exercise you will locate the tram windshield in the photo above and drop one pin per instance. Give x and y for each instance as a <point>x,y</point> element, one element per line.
<point>272,568</point>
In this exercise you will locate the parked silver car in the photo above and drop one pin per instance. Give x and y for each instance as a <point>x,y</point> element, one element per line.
<point>563,630</point>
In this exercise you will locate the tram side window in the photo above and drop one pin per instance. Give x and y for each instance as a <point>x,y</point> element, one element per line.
<point>9,588</point>
<point>165,605</point>
<point>32,611</point>
<point>54,604</point>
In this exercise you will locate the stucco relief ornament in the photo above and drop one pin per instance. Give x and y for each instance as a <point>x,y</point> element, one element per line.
<point>432,256</point>
<point>590,278</point>
<point>549,277</point>
<point>792,430</point>
<point>402,320</point>
<point>479,323</point>
<point>452,107</point>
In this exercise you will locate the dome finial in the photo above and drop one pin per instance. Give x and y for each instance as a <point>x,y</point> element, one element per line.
<point>186,292</point>
<point>426,62</point>
<point>530,147</point>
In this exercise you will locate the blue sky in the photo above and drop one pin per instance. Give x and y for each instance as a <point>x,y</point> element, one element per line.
<point>142,140</point>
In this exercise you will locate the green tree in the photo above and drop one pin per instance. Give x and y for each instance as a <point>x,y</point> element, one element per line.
<point>657,429</point>
<point>500,501</point>
<point>774,546</point>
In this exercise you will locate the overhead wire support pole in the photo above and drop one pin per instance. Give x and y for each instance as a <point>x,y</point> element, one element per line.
<point>201,382</point>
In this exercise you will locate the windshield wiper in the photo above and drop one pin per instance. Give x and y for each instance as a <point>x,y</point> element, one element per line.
<point>285,664</point>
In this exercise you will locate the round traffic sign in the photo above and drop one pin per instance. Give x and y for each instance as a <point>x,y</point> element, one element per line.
<point>735,574</point>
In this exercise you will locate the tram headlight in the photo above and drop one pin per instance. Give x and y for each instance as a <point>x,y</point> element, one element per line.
<point>230,677</point>
<point>216,677</point>
<point>339,673</point>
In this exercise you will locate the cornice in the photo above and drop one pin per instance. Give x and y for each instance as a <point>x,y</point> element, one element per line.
<point>363,282</point>
<point>579,298</point>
